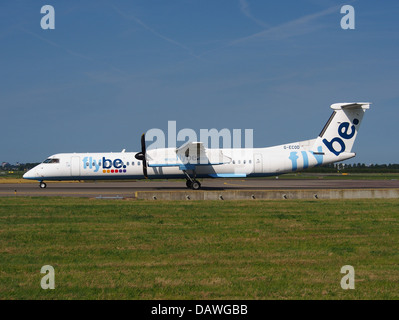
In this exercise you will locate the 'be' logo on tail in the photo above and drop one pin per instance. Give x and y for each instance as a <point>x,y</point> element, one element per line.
<point>343,131</point>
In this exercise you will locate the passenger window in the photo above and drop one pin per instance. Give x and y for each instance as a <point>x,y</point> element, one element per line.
<point>127,163</point>
<point>250,161</point>
<point>138,163</point>
<point>239,161</point>
<point>234,162</point>
<point>244,161</point>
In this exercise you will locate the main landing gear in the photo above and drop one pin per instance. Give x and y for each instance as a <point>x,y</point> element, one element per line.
<point>192,183</point>
<point>42,185</point>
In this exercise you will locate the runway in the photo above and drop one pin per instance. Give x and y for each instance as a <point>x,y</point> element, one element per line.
<point>129,188</point>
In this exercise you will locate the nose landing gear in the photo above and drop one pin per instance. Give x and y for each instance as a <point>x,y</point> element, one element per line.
<point>42,185</point>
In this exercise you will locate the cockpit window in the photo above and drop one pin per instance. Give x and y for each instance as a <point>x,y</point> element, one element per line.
<point>51,161</point>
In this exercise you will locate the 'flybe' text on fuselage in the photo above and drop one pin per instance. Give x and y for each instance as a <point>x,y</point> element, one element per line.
<point>108,165</point>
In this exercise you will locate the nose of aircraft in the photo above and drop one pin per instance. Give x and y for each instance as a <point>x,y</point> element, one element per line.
<point>29,174</point>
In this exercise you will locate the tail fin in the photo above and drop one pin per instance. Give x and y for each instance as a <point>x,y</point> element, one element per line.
<point>338,135</point>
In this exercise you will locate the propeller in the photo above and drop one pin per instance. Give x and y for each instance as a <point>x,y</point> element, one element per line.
<point>142,155</point>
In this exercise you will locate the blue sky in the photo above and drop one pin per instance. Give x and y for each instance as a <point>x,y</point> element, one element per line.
<point>112,70</point>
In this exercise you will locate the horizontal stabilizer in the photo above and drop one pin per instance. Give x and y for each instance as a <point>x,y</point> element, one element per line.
<point>350,105</point>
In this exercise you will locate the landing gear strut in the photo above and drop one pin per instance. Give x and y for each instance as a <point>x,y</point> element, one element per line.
<point>42,185</point>
<point>192,183</point>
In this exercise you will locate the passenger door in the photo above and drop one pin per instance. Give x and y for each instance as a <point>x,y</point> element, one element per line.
<point>258,168</point>
<point>75,166</point>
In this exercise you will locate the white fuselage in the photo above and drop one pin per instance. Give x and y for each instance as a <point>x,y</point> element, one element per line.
<point>241,163</point>
<point>193,160</point>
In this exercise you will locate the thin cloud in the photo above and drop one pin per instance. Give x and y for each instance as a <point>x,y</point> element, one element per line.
<point>244,7</point>
<point>156,33</point>
<point>68,51</point>
<point>290,28</point>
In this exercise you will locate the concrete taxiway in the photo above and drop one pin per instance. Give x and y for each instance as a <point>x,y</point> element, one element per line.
<point>131,189</point>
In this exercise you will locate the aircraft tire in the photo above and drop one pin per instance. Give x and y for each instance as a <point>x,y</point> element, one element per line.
<point>195,185</point>
<point>42,185</point>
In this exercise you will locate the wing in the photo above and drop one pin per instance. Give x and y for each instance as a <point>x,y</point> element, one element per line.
<point>187,157</point>
<point>194,153</point>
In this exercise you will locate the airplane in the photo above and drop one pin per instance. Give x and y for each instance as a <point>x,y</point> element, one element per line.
<point>193,161</point>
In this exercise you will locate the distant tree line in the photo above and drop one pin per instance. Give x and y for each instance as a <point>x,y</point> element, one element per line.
<point>17,167</point>
<point>355,168</point>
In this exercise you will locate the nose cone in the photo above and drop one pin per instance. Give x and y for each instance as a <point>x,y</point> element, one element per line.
<point>29,175</point>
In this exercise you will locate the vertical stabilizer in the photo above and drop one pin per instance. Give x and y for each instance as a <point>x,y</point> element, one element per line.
<point>338,135</point>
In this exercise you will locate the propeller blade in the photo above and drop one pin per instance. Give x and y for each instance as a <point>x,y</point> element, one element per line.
<point>143,143</point>
<point>142,155</point>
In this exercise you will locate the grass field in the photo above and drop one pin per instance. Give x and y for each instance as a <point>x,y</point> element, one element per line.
<point>110,249</point>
